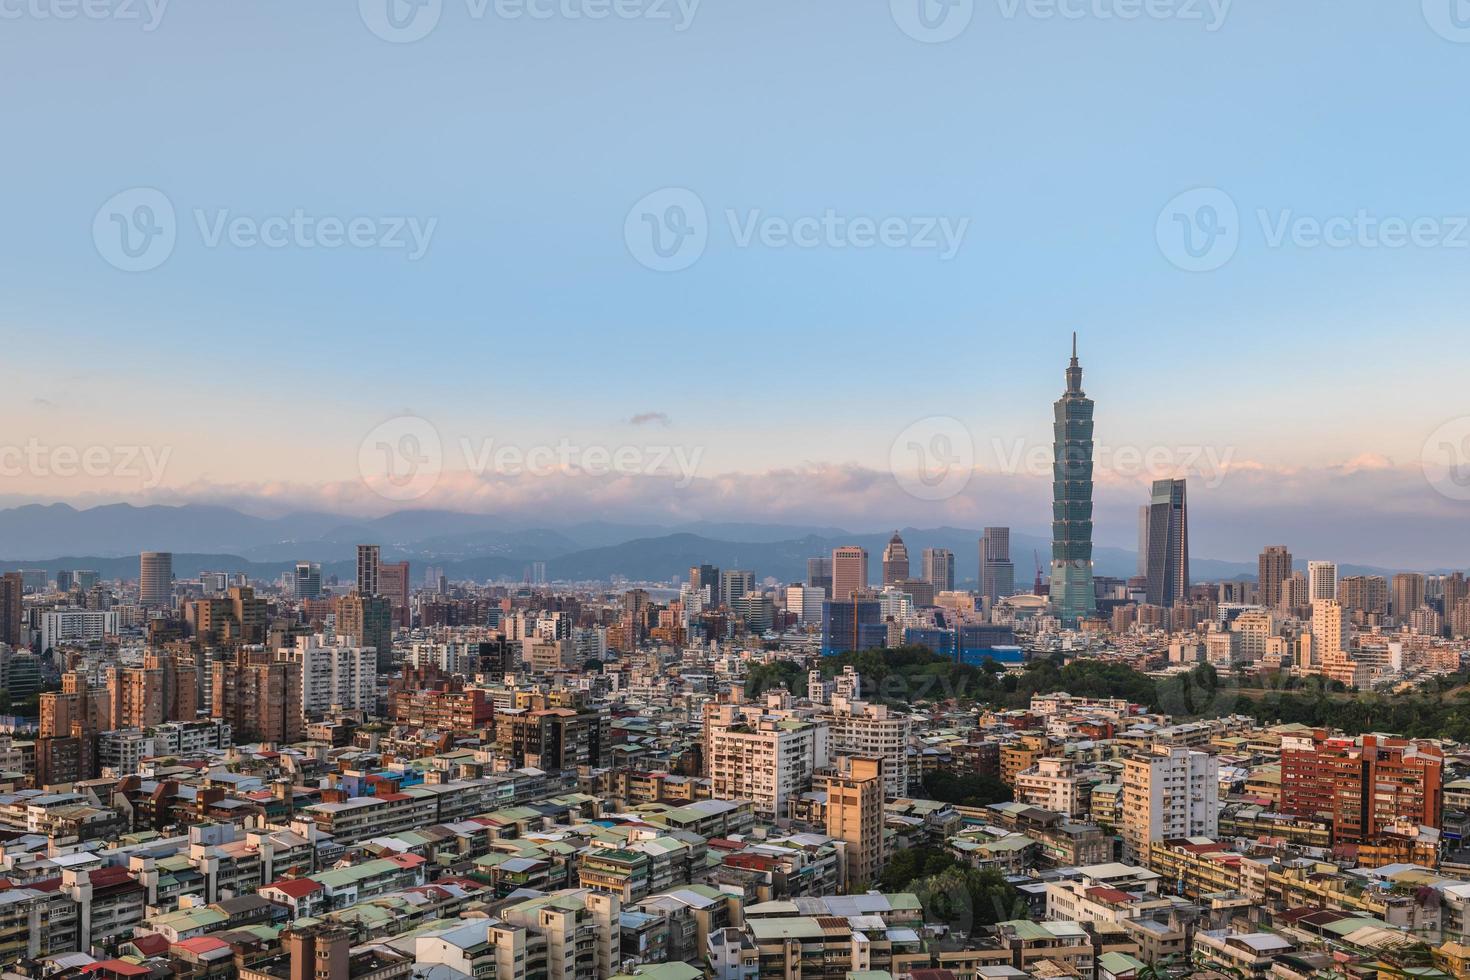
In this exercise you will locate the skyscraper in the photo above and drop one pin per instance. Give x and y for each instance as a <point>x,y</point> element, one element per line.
<point>12,611</point>
<point>368,620</point>
<point>307,581</point>
<point>1072,596</point>
<point>155,578</point>
<point>367,569</point>
<point>997,571</point>
<point>819,573</point>
<point>938,569</point>
<point>734,583</point>
<point>706,579</point>
<point>1168,544</point>
<point>1143,540</point>
<point>849,571</point>
<point>895,561</point>
<point>1272,568</point>
<point>1408,594</point>
<point>393,584</point>
<point>1321,580</point>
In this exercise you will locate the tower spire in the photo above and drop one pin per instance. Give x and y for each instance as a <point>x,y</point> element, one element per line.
<point>1074,370</point>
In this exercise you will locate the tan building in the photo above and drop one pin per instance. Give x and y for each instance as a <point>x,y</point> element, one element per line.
<point>855,816</point>
<point>1051,784</point>
<point>259,698</point>
<point>849,571</point>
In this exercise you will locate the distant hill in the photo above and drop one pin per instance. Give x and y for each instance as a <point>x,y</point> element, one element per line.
<point>482,546</point>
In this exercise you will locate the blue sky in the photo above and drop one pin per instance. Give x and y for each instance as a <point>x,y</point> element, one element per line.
<point>527,141</point>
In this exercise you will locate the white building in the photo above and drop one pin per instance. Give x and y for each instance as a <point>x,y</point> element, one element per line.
<point>451,658</point>
<point>333,674</point>
<point>806,602</point>
<point>1168,793</point>
<point>76,626</point>
<point>1321,580</point>
<point>857,728</point>
<point>765,758</point>
<point>1051,784</point>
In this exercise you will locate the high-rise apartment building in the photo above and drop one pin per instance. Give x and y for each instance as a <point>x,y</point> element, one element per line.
<point>335,675</point>
<point>156,579</point>
<point>163,689</point>
<point>1051,784</point>
<point>1330,630</point>
<point>855,817</point>
<point>1295,592</point>
<point>1362,785</point>
<point>1365,597</point>
<point>368,563</point>
<point>1273,568</point>
<point>997,571</point>
<point>763,758</point>
<point>1321,580</point>
<point>1408,594</point>
<point>938,569</point>
<point>259,697</point>
<point>1072,594</point>
<point>367,621</point>
<point>394,585</point>
<point>1168,544</point>
<point>1169,792</point>
<point>895,561</point>
<point>859,728</point>
<point>849,571</point>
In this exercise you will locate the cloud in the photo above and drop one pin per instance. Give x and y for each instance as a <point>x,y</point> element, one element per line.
<point>1358,512</point>
<point>646,418</point>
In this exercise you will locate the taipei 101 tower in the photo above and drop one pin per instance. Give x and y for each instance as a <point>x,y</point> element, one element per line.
<point>1072,596</point>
